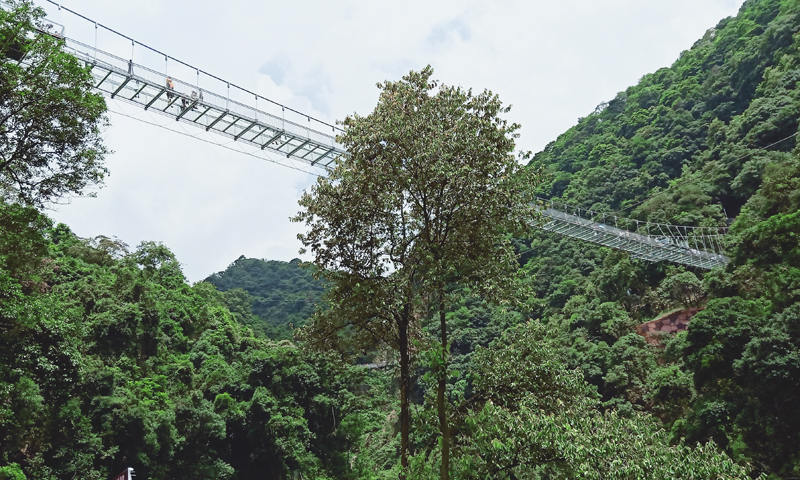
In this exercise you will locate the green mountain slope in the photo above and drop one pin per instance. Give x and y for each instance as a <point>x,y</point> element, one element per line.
<point>701,131</point>
<point>280,295</point>
<point>706,141</point>
<point>690,144</point>
<point>109,360</point>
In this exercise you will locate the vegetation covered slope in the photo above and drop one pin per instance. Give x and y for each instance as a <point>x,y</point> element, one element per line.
<point>280,295</point>
<point>109,359</point>
<point>711,121</point>
<point>707,140</point>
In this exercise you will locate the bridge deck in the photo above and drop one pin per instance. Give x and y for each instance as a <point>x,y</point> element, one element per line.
<point>146,88</point>
<point>653,248</point>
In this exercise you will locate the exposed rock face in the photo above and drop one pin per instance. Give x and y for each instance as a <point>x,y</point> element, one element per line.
<point>671,323</point>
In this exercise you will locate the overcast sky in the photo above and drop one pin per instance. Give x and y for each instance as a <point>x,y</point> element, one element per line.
<point>553,61</point>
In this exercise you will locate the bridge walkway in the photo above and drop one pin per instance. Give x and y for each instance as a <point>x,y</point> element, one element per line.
<point>162,94</point>
<point>699,247</point>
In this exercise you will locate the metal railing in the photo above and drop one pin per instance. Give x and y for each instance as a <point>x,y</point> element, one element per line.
<point>242,115</point>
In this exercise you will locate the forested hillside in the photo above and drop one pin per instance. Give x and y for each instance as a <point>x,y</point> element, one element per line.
<point>711,138</point>
<point>109,359</point>
<point>280,295</point>
<point>726,109</point>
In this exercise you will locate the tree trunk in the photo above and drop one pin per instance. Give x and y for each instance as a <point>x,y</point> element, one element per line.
<point>405,417</point>
<point>440,400</point>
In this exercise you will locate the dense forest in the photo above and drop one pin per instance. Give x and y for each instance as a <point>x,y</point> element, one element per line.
<point>110,359</point>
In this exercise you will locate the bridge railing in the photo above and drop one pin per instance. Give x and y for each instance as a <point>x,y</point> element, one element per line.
<point>687,236</point>
<point>95,56</point>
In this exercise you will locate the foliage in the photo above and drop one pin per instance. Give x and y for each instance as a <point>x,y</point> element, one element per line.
<point>425,198</point>
<point>682,288</point>
<point>745,365</point>
<point>117,362</point>
<point>23,243</point>
<point>532,417</point>
<point>710,140</point>
<point>50,121</point>
<point>11,472</point>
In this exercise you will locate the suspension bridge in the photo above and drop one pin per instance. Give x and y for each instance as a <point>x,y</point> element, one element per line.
<point>274,132</point>
<point>700,247</point>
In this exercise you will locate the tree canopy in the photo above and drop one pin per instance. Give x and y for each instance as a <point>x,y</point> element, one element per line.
<point>533,417</point>
<point>427,196</point>
<point>50,121</point>
<point>271,297</point>
<point>109,360</point>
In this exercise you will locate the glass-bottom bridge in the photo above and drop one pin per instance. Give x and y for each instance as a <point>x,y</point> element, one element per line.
<point>699,247</point>
<point>159,93</point>
<point>300,138</point>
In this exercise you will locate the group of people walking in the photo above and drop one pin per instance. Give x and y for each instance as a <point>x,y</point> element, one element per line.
<point>186,102</point>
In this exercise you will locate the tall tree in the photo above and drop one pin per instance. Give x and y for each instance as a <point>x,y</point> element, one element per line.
<point>50,122</point>
<point>427,197</point>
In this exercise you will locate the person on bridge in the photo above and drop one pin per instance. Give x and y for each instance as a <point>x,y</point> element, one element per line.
<point>170,88</point>
<point>130,67</point>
